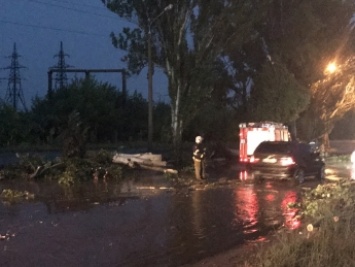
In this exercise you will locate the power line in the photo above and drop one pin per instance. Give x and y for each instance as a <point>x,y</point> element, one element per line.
<point>74,9</point>
<point>77,4</point>
<point>51,28</point>
<point>68,8</point>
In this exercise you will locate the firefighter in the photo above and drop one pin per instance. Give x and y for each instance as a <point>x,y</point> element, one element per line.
<point>198,156</point>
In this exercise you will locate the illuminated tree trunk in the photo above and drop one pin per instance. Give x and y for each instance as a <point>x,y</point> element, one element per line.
<point>177,127</point>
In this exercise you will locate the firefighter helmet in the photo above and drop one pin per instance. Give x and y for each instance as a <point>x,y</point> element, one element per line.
<point>198,139</point>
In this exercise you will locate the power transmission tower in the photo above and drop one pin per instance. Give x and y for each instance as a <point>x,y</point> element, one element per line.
<point>61,79</point>
<point>14,92</point>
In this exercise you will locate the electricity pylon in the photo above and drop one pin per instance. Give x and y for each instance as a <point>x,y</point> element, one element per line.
<point>14,93</point>
<point>61,79</point>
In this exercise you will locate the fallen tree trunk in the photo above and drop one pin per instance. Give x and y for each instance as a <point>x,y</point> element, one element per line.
<point>172,171</point>
<point>147,161</point>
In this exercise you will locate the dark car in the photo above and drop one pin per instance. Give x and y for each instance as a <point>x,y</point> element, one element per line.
<point>287,160</point>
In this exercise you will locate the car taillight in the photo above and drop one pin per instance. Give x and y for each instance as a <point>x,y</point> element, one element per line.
<point>253,159</point>
<point>286,161</point>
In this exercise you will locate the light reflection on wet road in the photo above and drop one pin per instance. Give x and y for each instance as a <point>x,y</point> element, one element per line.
<point>132,224</point>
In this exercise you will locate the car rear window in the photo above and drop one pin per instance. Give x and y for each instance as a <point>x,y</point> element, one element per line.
<point>270,147</point>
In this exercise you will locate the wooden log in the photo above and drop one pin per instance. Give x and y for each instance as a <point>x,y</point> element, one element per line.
<point>154,168</point>
<point>147,156</point>
<point>140,159</point>
<point>145,161</point>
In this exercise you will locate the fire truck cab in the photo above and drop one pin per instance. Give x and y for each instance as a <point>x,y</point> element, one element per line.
<point>251,134</point>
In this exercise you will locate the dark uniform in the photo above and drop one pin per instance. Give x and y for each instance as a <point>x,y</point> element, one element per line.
<point>198,156</point>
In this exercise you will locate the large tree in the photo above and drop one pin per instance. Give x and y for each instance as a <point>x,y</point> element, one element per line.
<point>273,50</point>
<point>331,94</point>
<point>295,40</point>
<point>305,35</point>
<point>332,97</point>
<point>278,96</point>
<point>188,43</point>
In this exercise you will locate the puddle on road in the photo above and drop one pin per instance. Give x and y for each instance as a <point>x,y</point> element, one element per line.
<point>138,224</point>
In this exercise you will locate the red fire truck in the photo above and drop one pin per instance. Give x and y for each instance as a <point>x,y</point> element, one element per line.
<point>251,134</point>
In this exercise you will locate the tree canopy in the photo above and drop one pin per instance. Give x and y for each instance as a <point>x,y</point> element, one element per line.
<point>100,106</point>
<point>188,43</point>
<point>260,57</point>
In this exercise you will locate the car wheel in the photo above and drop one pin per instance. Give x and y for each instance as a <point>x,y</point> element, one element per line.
<point>299,176</point>
<point>321,173</point>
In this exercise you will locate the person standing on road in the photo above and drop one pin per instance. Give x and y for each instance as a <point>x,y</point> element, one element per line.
<point>198,156</point>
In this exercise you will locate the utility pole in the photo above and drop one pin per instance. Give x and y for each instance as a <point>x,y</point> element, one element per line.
<point>14,91</point>
<point>150,75</point>
<point>61,79</point>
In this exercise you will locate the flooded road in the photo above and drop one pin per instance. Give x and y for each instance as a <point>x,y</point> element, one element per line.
<point>143,222</point>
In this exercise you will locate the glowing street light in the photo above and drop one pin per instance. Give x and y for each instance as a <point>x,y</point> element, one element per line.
<point>331,68</point>
<point>150,76</point>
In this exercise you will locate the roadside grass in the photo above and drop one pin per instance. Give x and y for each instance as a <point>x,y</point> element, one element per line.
<point>327,237</point>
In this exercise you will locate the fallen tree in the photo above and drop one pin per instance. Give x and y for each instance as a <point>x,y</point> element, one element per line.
<point>143,160</point>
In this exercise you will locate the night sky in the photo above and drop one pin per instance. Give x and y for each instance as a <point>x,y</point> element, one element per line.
<point>38,26</point>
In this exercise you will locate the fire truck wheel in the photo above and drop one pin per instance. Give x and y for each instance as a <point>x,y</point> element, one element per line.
<point>298,176</point>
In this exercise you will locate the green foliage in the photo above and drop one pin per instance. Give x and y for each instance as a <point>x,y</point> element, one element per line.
<point>27,166</point>
<point>329,197</point>
<point>306,35</point>
<point>12,195</point>
<point>133,41</point>
<point>162,123</point>
<point>328,238</point>
<point>103,157</point>
<point>219,117</point>
<point>277,96</point>
<point>114,172</point>
<point>69,176</point>
<point>67,171</point>
<point>134,120</point>
<point>98,165</point>
<point>15,128</point>
<point>106,113</point>
<point>74,137</point>
<point>77,170</point>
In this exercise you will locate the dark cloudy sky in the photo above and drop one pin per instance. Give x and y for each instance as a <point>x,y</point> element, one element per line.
<point>38,26</point>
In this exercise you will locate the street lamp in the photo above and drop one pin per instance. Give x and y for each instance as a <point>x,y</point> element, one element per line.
<point>331,68</point>
<point>150,77</point>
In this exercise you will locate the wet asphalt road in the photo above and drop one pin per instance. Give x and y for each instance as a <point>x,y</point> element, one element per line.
<point>142,222</point>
